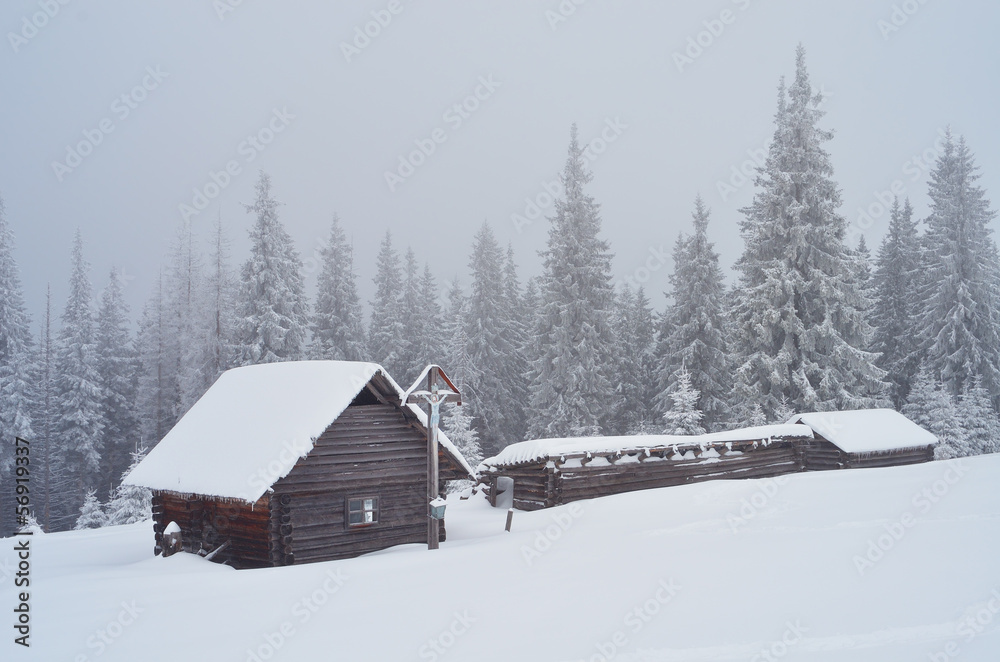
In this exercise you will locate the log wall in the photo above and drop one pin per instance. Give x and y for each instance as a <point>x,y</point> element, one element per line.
<point>371,450</point>
<point>821,455</point>
<point>208,523</point>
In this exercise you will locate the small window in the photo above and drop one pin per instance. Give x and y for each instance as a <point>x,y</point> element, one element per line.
<point>362,511</point>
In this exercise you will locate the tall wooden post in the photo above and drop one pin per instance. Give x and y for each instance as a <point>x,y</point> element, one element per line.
<point>433,525</point>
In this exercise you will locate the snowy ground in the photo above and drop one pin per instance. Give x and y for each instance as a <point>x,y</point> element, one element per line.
<point>714,571</point>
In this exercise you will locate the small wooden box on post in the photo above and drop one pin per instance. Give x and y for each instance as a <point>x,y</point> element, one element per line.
<point>438,390</point>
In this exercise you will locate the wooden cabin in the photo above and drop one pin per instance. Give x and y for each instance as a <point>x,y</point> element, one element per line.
<point>551,472</point>
<point>863,438</point>
<point>295,462</point>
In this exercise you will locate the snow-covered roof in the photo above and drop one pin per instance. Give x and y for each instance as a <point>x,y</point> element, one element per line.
<point>253,425</point>
<point>867,430</point>
<point>543,449</point>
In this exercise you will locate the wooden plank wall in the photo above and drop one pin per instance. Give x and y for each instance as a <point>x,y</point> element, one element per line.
<point>208,523</point>
<point>549,484</point>
<point>821,455</point>
<point>371,450</point>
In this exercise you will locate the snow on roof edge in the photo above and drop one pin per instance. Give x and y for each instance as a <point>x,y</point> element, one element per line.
<point>535,450</point>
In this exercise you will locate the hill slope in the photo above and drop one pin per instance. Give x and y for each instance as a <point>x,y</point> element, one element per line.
<point>713,571</point>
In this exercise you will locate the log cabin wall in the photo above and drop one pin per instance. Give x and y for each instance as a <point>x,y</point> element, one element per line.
<point>206,524</point>
<point>370,450</point>
<point>820,455</point>
<point>573,477</point>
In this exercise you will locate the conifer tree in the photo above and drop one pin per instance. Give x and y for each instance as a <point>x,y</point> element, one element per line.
<point>118,370</point>
<point>801,331</point>
<point>221,294</point>
<point>158,386</point>
<point>683,417</point>
<point>78,387</point>
<point>130,504</point>
<point>980,421</point>
<point>337,322</point>
<point>959,323</point>
<point>696,338</point>
<point>491,336</point>
<point>385,332</point>
<point>635,332</point>
<point>457,426</point>
<point>16,366</point>
<point>932,407</point>
<point>91,515</point>
<point>272,317</point>
<point>571,388</point>
<point>894,315</point>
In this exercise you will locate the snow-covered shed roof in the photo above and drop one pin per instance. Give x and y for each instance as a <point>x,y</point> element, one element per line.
<point>525,452</point>
<point>867,430</point>
<point>251,427</point>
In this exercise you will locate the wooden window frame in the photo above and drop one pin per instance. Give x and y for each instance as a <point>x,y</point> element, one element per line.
<point>374,510</point>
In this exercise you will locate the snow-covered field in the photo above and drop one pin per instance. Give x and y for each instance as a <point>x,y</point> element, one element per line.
<point>750,570</point>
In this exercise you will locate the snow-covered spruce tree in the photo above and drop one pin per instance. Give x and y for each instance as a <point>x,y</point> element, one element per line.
<point>784,411</point>
<point>337,321</point>
<point>118,370</point>
<point>80,425</point>
<point>130,504</point>
<point>894,314</point>
<point>91,514</point>
<point>385,332</point>
<point>932,407</point>
<point>635,332</point>
<point>457,425</point>
<point>865,283</point>
<point>683,417</point>
<point>492,336</point>
<point>16,366</point>
<point>158,390</point>
<point>801,330</point>
<point>571,390</point>
<point>959,324</point>
<point>696,337</point>
<point>519,318</point>
<point>273,314</point>
<point>979,420</point>
<point>410,359</point>
<point>456,357</point>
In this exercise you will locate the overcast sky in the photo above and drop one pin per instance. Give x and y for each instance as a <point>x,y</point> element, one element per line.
<point>198,81</point>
